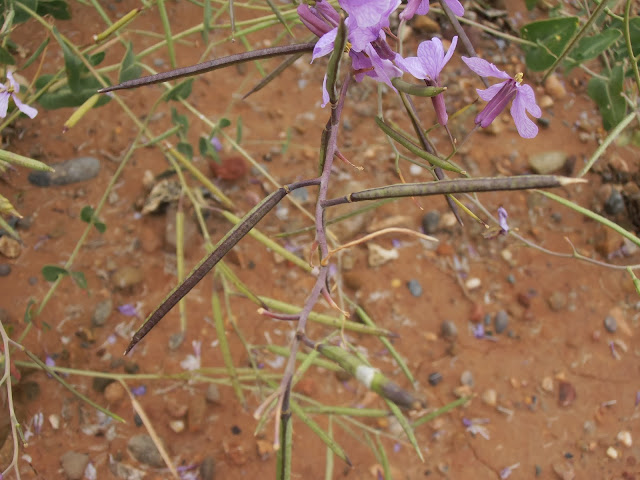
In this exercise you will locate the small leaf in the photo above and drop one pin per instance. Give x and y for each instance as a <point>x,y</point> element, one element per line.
<point>96,59</point>
<point>181,91</point>
<point>180,120</point>
<point>52,272</point>
<point>72,64</point>
<point>129,68</point>
<point>22,15</point>
<point>58,9</point>
<point>36,54</point>
<point>591,47</point>
<point>530,4</point>
<point>80,280</point>
<point>239,130</point>
<point>5,57</point>
<point>64,97</point>
<point>608,96</point>
<point>186,149</point>
<point>224,123</point>
<point>87,215</point>
<point>28,314</point>
<point>551,37</point>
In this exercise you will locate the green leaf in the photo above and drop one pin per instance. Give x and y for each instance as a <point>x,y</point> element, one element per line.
<point>607,95</point>
<point>530,4</point>
<point>551,36</point>
<point>36,54</point>
<point>207,150</point>
<point>21,15</point>
<point>64,97</point>
<point>180,120</point>
<point>58,9</point>
<point>80,280</point>
<point>591,47</point>
<point>129,69</point>
<point>28,314</point>
<point>186,149</point>
<point>72,64</point>
<point>224,123</point>
<point>96,59</point>
<point>5,57</point>
<point>52,272</point>
<point>181,91</point>
<point>87,215</point>
<point>239,130</point>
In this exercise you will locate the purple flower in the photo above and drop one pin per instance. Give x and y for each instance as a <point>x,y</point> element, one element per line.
<point>500,94</point>
<point>10,91</point>
<point>216,143</point>
<point>478,331</point>
<point>421,7</point>
<point>427,66</point>
<point>507,471</point>
<point>139,390</point>
<point>369,52</point>
<point>128,309</point>
<point>502,220</point>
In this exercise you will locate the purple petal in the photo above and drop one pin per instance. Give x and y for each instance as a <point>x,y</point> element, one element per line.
<point>369,13</point>
<point>412,65</point>
<point>26,109</point>
<point>525,101</point>
<point>139,391</point>
<point>49,361</point>
<point>328,12</point>
<point>484,68</point>
<point>487,94</point>
<point>4,103</point>
<point>128,309</point>
<point>12,82</point>
<point>502,219</point>
<point>456,7</point>
<point>420,7</point>
<point>325,93</point>
<point>216,143</point>
<point>324,46</point>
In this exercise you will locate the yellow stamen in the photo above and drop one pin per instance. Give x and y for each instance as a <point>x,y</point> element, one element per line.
<point>519,77</point>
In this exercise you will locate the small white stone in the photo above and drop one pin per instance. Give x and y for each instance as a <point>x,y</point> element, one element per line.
<point>415,170</point>
<point>507,256</point>
<point>473,283</point>
<point>177,426</point>
<point>624,437</point>
<point>54,420</point>
<point>547,384</point>
<point>379,255</point>
<point>490,397</point>
<point>612,453</point>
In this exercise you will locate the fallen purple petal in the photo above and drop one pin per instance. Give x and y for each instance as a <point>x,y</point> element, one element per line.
<point>502,219</point>
<point>128,309</point>
<point>216,143</point>
<point>139,391</point>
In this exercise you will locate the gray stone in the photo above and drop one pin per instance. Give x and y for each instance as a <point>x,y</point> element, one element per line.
<point>74,464</point>
<point>501,321</point>
<point>615,203</point>
<point>414,287</point>
<point>102,313</point>
<point>610,324</point>
<point>430,222</point>
<point>547,162</point>
<point>449,329</point>
<point>208,468</point>
<point>5,269</point>
<point>435,378</point>
<point>466,378</point>
<point>145,451</point>
<point>175,340</point>
<point>71,171</point>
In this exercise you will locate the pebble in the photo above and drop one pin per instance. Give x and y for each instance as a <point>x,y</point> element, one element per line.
<point>566,394</point>
<point>379,256</point>
<point>5,269</point>
<point>490,397</point>
<point>610,324</point>
<point>624,437</point>
<point>100,384</point>
<point>175,340</point>
<point>564,471</point>
<point>414,287</point>
<point>127,277</point>
<point>449,329</point>
<point>114,393</point>
<point>547,384</point>
<point>466,378</point>
<point>10,247</point>
<point>547,162</point>
<point>557,301</point>
<point>54,421</point>
<point>74,464</point>
<point>545,101</point>
<point>71,171</point>
<point>213,393</point>
<point>615,203</point>
<point>589,426</point>
<point>145,451</point>
<point>473,283</point>
<point>501,321</point>
<point>435,378</point>
<point>553,86</point>
<point>177,426</point>
<point>430,222</point>
<point>207,468</point>
<point>102,313</point>
<point>612,453</point>
<point>301,194</point>
<point>425,24</point>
